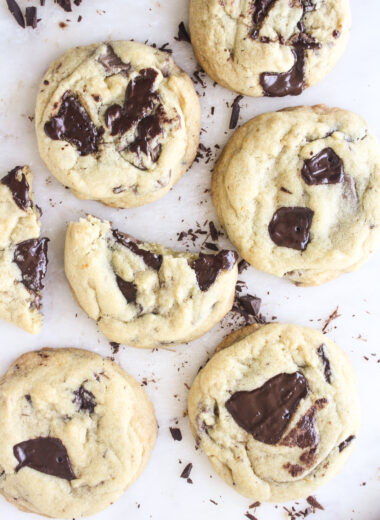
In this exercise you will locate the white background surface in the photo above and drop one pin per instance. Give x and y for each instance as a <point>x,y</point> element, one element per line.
<point>354,84</point>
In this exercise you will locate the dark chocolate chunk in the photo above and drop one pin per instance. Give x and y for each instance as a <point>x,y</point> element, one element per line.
<point>346,442</point>
<point>326,362</point>
<point>45,454</point>
<point>235,112</point>
<point>207,267</point>
<point>128,289</point>
<point>186,472</point>
<point>65,4</point>
<point>16,12</point>
<point>261,10</point>
<point>31,17</point>
<point>17,183</point>
<point>183,35</point>
<point>74,125</point>
<point>266,411</point>
<point>324,168</point>
<point>248,305</point>
<point>290,227</point>
<point>112,63</point>
<point>84,399</point>
<point>176,434</point>
<point>290,83</point>
<point>31,258</point>
<point>304,434</point>
<point>213,231</point>
<point>151,259</point>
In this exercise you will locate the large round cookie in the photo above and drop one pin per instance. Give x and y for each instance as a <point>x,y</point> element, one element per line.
<point>142,294</point>
<point>117,122</point>
<point>298,192</point>
<point>269,47</point>
<point>276,411</point>
<point>75,430</point>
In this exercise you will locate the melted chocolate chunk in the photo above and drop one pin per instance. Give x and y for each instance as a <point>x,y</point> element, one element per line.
<point>304,434</point>
<point>31,258</point>
<point>16,12</point>
<point>112,63</point>
<point>148,129</point>
<point>266,411</point>
<point>324,168</point>
<point>290,227</point>
<point>74,125</point>
<point>128,289</point>
<point>84,399</point>
<point>207,267</point>
<point>17,183</point>
<point>346,442</point>
<point>326,362</point>
<point>291,83</point>
<point>45,454</point>
<point>261,10</point>
<point>151,259</point>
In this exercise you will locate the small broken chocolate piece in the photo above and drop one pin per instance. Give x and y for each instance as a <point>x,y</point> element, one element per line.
<point>235,112</point>
<point>326,167</point>
<point>31,17</point>
<point>17,183</point>
<point>208,267</point>
<point>266,411</point>
<point>176,433</point>
<point>186,472</point>
<point>31,258</point>
<point>261,10</point>
<point>151,259</point>
<point>213,231</point>
<point>46,455</point>
<point>290,83</point>
<point>248,305</point>
<point>321,351</point>
<point>147,130</point>
<point>128,289</point>
<point>16,12</point>
<point>290,227</point>
<point>183,35</point>
<point>65,4</point>
<point>74,125</point>
<point>112,63</point>
<point>346,442</point>
<point>314,503</point>
<point>84,399</point>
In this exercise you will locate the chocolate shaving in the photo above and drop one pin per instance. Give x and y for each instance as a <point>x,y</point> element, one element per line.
<point>16,12</point>
<point>314,503</point>
<point>235,112</point>
<point>333,316</point>
<point>186,472</point>
<point>183,35</point>
<point>31,17</point>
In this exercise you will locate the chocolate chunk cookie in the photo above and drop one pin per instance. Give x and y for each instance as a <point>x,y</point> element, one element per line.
<point>274,422</point>
<point>298,192</point>
<point>269,47</point>
<point>76,432</point>
<point>145,295</point>
<point>117,122</point>
<point>23,254</point>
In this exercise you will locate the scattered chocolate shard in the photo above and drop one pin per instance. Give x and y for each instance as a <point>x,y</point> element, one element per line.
<point>16,12</point>
<point>235,112</point>
<point>333,316</point>
<point>84,399</point>
<point>213,231</point>
<point>31,17</point>
<point>115,347</point>
<point>314,503</point>
<point>176,433</point>
<point>186,472</point>
<point>183,35</point>
<point>65,4</point>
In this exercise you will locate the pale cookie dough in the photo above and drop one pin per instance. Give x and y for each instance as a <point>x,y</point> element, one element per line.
<point>117,122</point>
<point>298,192</point>
<point>276,411</point>
<point>75,430</point>
<point>145,295</point>
<point>269,47</point>
<point>23,254</point>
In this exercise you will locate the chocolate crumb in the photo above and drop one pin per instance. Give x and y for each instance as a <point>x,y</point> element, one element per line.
<point>314,503</point>
<point>235,112</point>
<point>183,35</point>
<point>186,472</point>
<point>254,505</point>
<point>115,347</point>
<point>333,316</point>
<point>176,434</point>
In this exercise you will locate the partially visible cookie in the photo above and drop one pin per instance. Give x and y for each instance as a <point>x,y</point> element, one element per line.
<point>298,192</point>
<point>76,432</point>
<point>117,122</point>
<point>145,295</point>
<point>276,411</point>
<point>23,254</point>
<point>269,47</point>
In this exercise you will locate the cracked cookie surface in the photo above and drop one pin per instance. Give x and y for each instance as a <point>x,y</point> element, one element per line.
<point>145,295</point>
<point>76,432</point>
<point>117,122</point>
<point>23,254</point>
<point>276,411</point>
<point>269,47</point>
<point>298,192</point>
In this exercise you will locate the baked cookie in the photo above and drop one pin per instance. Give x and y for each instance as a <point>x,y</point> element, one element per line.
<point>269,47</point>
<point>298,192</point>
<point>145,295</point>
<point>76,432</point>
<point>117,122</point>
<point>276,411</point>
<point>23,255</point>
